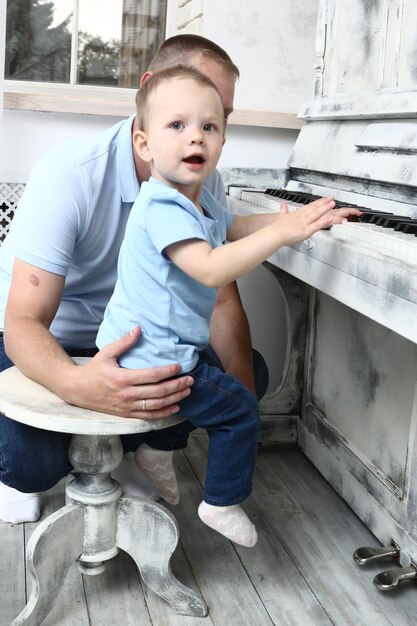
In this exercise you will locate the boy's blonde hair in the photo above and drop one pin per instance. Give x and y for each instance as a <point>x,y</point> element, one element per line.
<point>183,49</point>
<point>169,73</point>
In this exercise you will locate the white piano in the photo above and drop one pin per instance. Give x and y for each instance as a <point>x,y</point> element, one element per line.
<point>350,385</point>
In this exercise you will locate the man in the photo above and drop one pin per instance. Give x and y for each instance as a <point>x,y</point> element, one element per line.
<point>65,239</point>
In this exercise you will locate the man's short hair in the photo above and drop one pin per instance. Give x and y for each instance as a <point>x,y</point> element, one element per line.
<point>177,72</point>
<point>182,49</point>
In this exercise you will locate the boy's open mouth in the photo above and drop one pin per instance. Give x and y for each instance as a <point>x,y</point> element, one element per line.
<point>194,158</point>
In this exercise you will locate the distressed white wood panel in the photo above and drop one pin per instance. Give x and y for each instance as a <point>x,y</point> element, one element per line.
<point>365,45</point>
<point>340,155</point>
<point>273,45</point>
<point>355,386</point>
<point>359,419</point>
<point>355,45</point>
<point>407,69</point>
<point>385,103</point>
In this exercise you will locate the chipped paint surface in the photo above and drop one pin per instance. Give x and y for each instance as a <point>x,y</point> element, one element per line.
<point>355,385</point>
<point>359,413</point>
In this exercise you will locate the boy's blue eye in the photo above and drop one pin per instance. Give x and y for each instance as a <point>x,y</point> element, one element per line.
<point>208,127</point>
<point>176,125</point>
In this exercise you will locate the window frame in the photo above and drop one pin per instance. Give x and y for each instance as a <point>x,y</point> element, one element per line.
<point>106,101</point>
<point>70,97</point>
<point>114,101</point>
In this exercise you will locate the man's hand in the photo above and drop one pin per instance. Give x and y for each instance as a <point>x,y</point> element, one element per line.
<point>102,385</point>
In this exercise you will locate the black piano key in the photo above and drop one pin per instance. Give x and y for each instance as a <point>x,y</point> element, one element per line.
<point>373,217</point>
<point>396,220</point>
<point>385,219</point>
<point>292,196</point>
<point>410,228</point>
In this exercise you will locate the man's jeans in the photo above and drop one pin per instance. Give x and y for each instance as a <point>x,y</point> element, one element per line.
<point>32,459</point>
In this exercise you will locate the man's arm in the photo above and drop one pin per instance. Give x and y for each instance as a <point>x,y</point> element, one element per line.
<point>230,335</point>
<point>100,385</point>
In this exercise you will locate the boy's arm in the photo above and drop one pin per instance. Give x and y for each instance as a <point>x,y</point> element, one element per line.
<point>254,239</point>
<point>215,267</point>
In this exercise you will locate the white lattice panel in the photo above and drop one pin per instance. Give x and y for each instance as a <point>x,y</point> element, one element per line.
<point>10,194</point>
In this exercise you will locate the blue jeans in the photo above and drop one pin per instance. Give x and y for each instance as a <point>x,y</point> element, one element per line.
<point>33,459</point>
<point>229,412</point>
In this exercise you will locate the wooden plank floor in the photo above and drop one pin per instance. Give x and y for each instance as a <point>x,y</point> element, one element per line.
<point>301,572</point>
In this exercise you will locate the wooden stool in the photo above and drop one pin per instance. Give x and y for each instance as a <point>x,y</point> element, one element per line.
<point>98,520</point>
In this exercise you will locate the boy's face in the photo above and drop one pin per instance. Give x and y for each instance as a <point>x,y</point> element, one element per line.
<point>184,133</point>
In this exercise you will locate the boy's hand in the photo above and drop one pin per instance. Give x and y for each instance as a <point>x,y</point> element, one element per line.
<point>305,221</point>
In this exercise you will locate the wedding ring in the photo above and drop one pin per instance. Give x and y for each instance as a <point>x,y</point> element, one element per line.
<point>143,405</point>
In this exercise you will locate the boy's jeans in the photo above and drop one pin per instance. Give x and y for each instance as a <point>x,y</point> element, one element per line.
<point>34,460</point>
<point>229,412</point>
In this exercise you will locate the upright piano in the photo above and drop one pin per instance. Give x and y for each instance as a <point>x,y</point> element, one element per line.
<point>351,373</point>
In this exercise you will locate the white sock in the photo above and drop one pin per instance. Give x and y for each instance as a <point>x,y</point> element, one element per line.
<point>17,507</point>
<point>230,521</point>
<point>132,480</point>
<point>158,467</point>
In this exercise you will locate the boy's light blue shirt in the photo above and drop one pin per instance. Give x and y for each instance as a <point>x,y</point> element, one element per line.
<point>71,221</point>
<point>172,309</point>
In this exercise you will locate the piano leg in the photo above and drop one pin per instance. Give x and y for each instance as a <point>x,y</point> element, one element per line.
<point>281,409</point>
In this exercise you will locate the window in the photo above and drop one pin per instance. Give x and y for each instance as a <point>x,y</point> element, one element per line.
<point>82,42</point>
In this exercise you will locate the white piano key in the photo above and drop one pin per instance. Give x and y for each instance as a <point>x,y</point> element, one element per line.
<point>261,200</point>
<point>390,242</point>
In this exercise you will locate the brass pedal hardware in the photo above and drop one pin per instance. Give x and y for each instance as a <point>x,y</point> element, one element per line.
<point>365,555</point>
<point>391,578</point>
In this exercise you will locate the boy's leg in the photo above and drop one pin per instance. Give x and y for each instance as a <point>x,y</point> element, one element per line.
<point>159,468</point>
<point>230,414</point>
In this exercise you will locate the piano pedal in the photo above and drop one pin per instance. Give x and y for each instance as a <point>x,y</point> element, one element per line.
<point>365,555</point>
<point>391,578</point>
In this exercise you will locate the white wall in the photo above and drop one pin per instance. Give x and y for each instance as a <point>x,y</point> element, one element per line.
<point>26,135</point>
<point>271,42</point>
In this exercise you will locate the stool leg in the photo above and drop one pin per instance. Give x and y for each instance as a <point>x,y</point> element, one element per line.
<point>149,534</point>
<point>54,546</point>
<point>93,458</point>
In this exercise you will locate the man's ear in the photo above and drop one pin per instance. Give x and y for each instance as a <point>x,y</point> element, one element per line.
<point>140,142</point>
<point>145,77</point>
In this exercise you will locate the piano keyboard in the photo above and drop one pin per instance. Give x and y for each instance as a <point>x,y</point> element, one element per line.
<point>389,234</point>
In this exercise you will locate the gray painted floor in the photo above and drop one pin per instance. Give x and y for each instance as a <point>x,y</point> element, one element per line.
<point>300,573</point>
